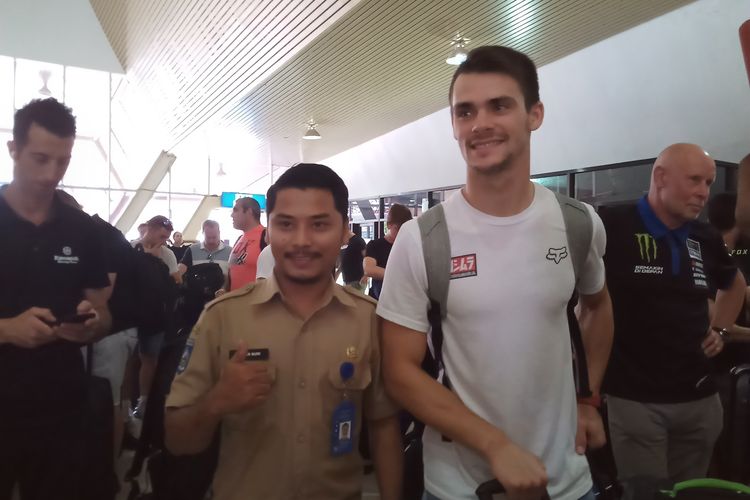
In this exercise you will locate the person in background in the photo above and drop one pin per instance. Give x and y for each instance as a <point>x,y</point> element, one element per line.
<point>377,251</point>
<point>662,264</point>
<point>244,257</point>
<point>352,257</point>
<point>178,246</point>
<point>211,249</point>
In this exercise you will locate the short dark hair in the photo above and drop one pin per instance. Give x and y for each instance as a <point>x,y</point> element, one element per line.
<point>210,223</point>
<point>504,61</point>
<point>721,211</point>
<point>311,176</point>
<point>398,214</point>
<point>50,114</point>
<point>250,203</point>
<point>160,221</point>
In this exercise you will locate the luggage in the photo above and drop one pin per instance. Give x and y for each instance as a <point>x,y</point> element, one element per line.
<point>493,487</point>
<point>737,420</point>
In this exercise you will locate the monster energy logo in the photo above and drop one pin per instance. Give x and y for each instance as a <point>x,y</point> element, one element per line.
<point>647,246</point>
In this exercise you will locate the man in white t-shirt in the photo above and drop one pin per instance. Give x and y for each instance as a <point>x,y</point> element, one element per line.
<point>511,412</point>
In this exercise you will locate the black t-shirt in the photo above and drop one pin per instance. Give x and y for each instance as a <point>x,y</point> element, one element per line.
<point>46,266</point>
<point>660,281</point>
<point>179,252</point>
<point>379,250</point>
<point>737,353</point>
<point>351,259</point>
<point>118,254</point>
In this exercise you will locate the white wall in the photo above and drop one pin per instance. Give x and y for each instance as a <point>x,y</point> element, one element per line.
<point>55,31</point>
<point>677,78</point>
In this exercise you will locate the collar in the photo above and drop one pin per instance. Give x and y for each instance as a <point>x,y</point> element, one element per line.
<point>55,212</point>
<point>221,246</point>
<point>656,227</point>
<point>268,289</point>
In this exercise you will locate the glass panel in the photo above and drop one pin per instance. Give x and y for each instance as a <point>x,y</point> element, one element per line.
<point>94,201</point>
<point>6,93</point>
<point>87,93</point>
<point>182,209</point>
<point>363,210</point>
<point>88,165</point>
<point>120,201</point>
<point>38,80</point>
<point>411,201</point>
<point>556,183</point>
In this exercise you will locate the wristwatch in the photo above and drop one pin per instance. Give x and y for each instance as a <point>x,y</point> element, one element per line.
<point>723,332</point>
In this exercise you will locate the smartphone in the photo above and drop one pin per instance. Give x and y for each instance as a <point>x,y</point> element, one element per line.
<point>76,318</point>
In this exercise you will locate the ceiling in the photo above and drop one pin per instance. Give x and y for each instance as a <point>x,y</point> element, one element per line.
<point>360,68</point>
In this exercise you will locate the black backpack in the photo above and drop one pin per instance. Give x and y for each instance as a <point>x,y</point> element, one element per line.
<point>152,293</point>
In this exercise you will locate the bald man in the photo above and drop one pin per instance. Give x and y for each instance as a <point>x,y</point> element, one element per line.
<point>664,411</point>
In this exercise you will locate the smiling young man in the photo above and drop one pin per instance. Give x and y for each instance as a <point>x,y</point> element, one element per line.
<point>290,365</point>
<point>510,412</point>
<point>54,269</point>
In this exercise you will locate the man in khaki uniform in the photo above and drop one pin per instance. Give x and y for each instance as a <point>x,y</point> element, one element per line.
<point>290,366</point>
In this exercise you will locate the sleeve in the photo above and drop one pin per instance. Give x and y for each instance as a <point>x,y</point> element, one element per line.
<point>265,265</point>
<point>169,259</point>
<point>593,274</point>
<point>198,370</point>
<point>370,249</point>
<point>403,299</point>
<point>94,261</point>
<point>187,258</point>
<point>377,403</point>
<point>723,268</point>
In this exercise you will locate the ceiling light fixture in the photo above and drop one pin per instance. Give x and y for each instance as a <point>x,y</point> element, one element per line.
<point>458,45</point>
<point>312,133</point>
<point>44,75</point>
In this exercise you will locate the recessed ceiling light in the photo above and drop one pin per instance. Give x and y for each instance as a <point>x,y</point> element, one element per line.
<point>459,53</point>
<point>312,133</point>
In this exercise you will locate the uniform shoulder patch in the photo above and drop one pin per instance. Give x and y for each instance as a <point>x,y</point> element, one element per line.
<point>356,293</point>
<point>231,295</point>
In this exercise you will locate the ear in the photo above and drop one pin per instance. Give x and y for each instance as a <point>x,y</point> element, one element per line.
<point>659,176</point>
<point>536,116</point>
<point>453,123</point>
<point>345,234</point>
<point>12,149</point>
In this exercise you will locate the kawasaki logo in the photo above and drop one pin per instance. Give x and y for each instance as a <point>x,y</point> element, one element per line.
<point>647,246</point>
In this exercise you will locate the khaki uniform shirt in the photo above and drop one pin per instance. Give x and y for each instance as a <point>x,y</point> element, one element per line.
<point>282,449</point>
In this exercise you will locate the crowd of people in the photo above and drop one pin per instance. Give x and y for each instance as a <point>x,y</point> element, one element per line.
<point>466,329</point>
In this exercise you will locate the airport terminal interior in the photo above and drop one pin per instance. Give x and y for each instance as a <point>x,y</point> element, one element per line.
<point>184,107</point>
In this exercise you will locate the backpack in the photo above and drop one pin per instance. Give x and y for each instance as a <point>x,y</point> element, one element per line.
<point>153,293</point>
<point>437,256</point>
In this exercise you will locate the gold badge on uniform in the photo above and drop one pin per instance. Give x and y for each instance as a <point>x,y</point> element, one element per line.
<point>351,352</point>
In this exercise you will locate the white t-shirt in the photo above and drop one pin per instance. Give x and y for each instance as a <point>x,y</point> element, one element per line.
<point>506,342</point>
<point>265,264</point>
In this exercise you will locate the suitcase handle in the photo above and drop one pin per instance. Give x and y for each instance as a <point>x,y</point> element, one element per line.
<point>493,487</point>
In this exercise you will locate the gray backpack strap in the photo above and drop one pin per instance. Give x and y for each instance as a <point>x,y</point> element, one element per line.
<point>436,248</point>
<point>579,230</point>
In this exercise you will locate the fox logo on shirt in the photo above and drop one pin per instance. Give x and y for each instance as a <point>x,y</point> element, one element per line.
<point>557,254</point>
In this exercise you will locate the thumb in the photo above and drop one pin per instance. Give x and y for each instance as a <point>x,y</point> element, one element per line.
<point>84,307</point>
<point>239,355</point>
<point>43,314</point>
<point>581,438</point>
